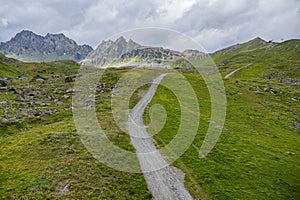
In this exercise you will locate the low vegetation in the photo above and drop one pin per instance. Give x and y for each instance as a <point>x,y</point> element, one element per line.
<point>42,156</point>
<point>256,157</point>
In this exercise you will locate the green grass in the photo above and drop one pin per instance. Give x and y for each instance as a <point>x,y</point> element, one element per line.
<point>40,157</point>
<point>8,71</point>
<point>257,155</point>
<point>272,61</point>
<point>7,60</point>
<point>38,163</point>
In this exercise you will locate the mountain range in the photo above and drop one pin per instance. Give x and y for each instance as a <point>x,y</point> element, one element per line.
<point>121,50</point>
<point>28,46</point>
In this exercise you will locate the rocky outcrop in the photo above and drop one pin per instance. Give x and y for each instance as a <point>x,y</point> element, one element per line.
<point>192,54</point>
<point>28,46</point>
<point>40,96</point>
<point>152,52</point>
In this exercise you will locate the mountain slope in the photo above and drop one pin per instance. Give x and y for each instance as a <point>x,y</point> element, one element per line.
<point>270,61</point>
<point>28,46</point>
<point>5,69</point>
<point>221,56</point>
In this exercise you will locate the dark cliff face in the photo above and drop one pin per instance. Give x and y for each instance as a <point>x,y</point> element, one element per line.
<point>28,46</point>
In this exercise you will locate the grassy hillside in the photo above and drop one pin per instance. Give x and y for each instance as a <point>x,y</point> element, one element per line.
<point>7,60</point>
<point>256,157</point>
<point>277,62</point>
<point>42,156</point>
<point>5,69</point>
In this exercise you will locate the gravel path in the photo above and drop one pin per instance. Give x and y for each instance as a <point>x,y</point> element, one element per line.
<point>162,180</point>
<point>238,69</point>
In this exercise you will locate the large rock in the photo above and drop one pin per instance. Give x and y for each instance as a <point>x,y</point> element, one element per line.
<point>3,83</point>
<point>69,79</point>
<point>38,78</point>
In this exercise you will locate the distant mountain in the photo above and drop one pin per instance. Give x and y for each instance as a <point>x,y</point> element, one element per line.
<point>108,51</point>
<point>252,45</point>
<point>28,46</point>
<point>154,53</point>
<point>121,50</point>
<point>193,54</point>
<point>257,50</point>
<point>278,62</point>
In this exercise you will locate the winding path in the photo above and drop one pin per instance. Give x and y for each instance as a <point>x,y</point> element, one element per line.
<point>162,180</point>
<point>238,69</point>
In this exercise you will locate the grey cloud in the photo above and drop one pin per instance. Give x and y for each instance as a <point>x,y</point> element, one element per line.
<point>160,37</point>
<point>217,24</point>
<point>212,23</point>
<point>106,18</point>
<point>40,16</point>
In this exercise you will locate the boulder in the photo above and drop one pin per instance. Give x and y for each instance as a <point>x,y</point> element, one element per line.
<point>69,79</point>
<point>71,90</point>
<point>38,78</point>
<point>22,97</point>
<point>18,91</point>
<point>3,83</point>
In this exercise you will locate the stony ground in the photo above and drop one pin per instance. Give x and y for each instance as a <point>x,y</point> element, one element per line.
<point>162,180</point>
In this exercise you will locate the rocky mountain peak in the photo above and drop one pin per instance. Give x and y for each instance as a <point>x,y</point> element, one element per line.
<point>25,32</point>
<point>26,36</point>
<point>28,46</point>
<point>122,50</point>
<point>257,40</point>
<point>59,36</point>
<point>130,41</point>
<point>109,50</point>
<point>120,40</point>
<point>54,35</point>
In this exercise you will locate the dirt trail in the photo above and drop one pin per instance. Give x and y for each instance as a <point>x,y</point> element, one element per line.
<point>163,183</point>
<point>238,69</point>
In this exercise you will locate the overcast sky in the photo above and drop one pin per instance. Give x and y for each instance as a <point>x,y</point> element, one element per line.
<point>214,24</point>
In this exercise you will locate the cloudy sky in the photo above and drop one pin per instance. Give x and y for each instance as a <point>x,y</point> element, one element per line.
<point>212,23</point>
